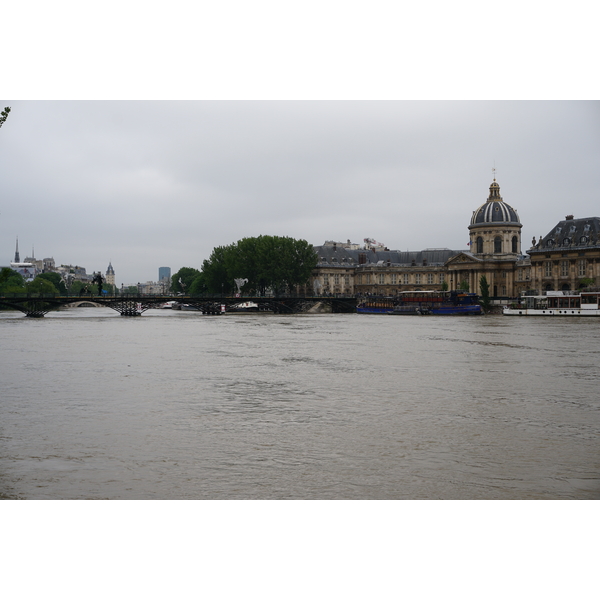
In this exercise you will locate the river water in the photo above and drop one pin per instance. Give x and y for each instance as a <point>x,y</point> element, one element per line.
<point>177,405</point>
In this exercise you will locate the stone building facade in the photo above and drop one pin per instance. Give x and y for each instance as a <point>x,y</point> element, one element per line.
<point>495,251</point>
<point>567,258</point>
<point>110,275</point>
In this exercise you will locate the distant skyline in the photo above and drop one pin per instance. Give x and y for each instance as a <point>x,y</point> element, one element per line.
<point>144,184</point>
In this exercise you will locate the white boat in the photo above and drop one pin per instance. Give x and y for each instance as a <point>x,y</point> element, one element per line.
<point>169,304</point>
<point>557,304</point>
<point>244,307</point>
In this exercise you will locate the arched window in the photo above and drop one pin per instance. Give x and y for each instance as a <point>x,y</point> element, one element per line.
<point>514,244</point>
<point>479,245</point>
<point>497,244</point>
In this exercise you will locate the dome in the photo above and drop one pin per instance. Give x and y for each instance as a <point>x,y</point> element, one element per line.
<point>495,210</point>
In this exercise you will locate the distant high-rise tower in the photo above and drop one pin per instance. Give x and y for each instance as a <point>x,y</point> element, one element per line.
<point>164,273</point>
<point>110,274</point>
<point>17,257</point>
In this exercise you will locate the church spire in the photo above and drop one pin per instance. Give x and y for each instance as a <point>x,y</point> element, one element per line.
<point>17,257</point>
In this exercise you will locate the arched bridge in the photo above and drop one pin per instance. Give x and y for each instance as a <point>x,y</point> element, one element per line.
<point>37,305</point>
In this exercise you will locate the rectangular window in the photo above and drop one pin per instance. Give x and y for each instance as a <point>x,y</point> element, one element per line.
<point>548,269</point>
<point>564,268</point>
<point>381,278</point>
<point>394,278</point>
<point>347,279</point>
<point>429,277</point>
<point>417,278</point>
<point>582,268</point>
<point>441,277</point>
<point>326,278</point>
<point>368,277</point>
<point>336,279</point>
<point>405,279</point>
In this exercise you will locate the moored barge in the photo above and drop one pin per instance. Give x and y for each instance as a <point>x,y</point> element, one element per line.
<point>557,304</point>
<point>424,302</point>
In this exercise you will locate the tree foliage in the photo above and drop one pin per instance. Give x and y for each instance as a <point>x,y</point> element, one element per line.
<point>56,280</point>
<point>41,286</point>
<point>268,263</point>
<point>484,286</point>
<point>198,286</point>
<point>181,281</point>
<point>11,282</point>
<point>78,288</point>
<point>4,115</point>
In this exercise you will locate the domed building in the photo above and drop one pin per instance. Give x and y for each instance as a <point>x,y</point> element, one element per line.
<point>495,242</point>
<point>495,228</point>
<point>495,251</point>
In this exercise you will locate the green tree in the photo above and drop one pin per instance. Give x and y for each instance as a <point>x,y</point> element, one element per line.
<point>56,280</point>
<point>78,288</point>
<point>445,286</point>
<point>464,285</point>
<point>484,286</point>
<point>4,115</point>
<point>11,282</point>
<point>267,262</point>
<point>198,286</point>
<point>586,282</point>
<point>220,269</point>
<point>41,286</point>
<point>187,276</point>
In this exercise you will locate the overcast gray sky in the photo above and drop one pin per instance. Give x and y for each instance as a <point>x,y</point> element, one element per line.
<point>146,184</point>
<point>344,148</point>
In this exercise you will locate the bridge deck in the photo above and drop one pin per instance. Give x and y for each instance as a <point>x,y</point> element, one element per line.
<point>129,305</point>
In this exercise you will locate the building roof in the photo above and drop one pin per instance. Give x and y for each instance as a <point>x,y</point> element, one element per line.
<point>494,210</point>
<point>334,256</point>
<point>570,234</point>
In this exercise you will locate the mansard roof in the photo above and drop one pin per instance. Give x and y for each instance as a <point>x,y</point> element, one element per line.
<point>332,256</point>
<point>570,234</point>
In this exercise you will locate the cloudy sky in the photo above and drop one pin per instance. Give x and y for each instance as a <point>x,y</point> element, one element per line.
<point>145,184</point>
<point>307,124</point>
